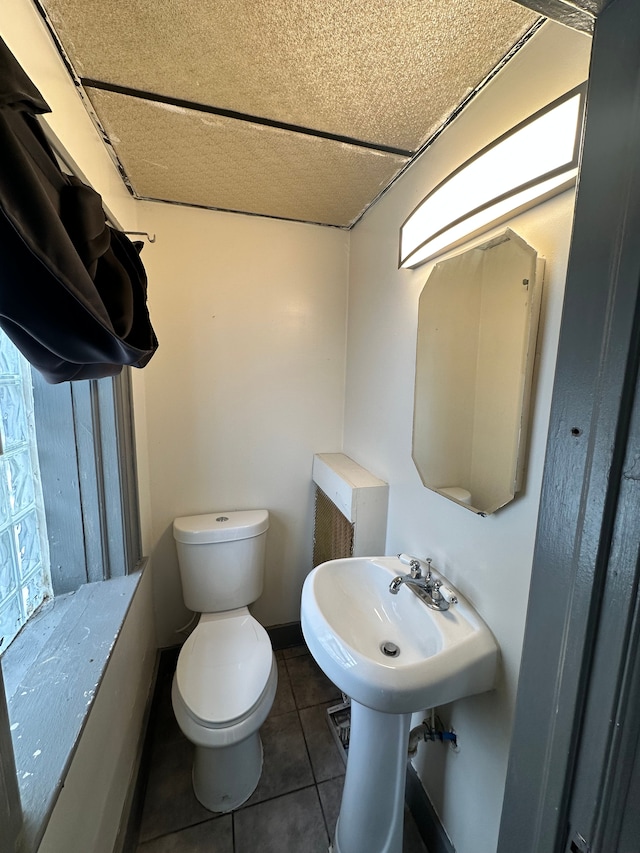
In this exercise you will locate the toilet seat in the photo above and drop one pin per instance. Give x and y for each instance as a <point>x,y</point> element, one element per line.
<point>223,669</point>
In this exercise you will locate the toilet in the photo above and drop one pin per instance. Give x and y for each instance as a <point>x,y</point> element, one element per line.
<point>226,676</point>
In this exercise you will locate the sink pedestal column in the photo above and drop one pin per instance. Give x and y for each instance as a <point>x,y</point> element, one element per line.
<point>372,810</point>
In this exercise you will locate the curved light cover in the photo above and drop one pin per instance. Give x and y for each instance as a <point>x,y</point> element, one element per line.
<point>533,161</point>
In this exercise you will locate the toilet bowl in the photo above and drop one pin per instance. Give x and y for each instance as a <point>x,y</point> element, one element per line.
<point>226,675</point>
<point>222,692</point>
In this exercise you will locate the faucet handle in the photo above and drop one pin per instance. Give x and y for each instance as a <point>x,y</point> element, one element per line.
<point>436,595</point>
<point>415,567</point>
<point>448,594</point>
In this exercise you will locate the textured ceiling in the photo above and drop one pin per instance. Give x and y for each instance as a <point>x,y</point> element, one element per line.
<point>297,109</point>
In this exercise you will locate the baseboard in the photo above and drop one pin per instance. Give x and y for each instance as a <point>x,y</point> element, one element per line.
<point>427,821</point>
<point>285,636</point>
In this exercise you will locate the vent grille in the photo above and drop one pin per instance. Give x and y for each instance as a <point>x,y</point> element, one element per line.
<point>332,532</point>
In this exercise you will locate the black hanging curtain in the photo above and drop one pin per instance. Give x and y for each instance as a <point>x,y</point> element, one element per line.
<point>73,291</point>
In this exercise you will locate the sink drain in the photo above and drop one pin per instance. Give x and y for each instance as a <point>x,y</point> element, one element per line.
<point>389,649</point>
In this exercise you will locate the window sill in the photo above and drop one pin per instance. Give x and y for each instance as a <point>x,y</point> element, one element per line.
<point>52,673</point>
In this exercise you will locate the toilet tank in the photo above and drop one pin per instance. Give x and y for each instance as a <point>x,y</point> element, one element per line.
<point>221,558</point>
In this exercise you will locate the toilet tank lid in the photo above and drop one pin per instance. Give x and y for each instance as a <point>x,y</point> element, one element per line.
<point>220,526</point>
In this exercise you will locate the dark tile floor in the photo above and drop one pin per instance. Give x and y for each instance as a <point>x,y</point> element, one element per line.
<point>295,806</point>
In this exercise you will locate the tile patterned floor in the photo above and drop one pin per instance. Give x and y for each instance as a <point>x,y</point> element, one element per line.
<point>295,806</point>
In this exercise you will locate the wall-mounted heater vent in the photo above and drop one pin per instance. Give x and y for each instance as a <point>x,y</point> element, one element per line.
<point>351,509</point>
<point>332,532</point>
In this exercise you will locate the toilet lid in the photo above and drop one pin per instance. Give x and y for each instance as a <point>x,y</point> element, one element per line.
<point>223,668</point>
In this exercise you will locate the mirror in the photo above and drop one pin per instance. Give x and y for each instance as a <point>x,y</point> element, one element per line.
<point>477,326</point>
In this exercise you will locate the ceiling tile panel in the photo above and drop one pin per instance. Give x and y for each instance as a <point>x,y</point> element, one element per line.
<point>372,70</point>
<point>183,155</point>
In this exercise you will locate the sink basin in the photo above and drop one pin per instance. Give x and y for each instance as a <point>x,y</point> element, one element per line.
<point>349,616</point>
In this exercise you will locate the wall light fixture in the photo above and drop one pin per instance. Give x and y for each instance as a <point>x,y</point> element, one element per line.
<point>533,161</point>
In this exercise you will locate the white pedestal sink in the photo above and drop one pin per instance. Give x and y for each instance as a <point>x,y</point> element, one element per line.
<point>348,617</point>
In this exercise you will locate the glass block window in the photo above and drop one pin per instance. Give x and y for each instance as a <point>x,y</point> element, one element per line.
<point>25,579</point>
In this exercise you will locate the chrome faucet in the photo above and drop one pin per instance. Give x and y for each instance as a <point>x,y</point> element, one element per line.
<point>415,576</point>
<point>426,587</point>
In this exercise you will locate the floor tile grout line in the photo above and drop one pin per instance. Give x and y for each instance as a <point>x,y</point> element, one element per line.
<point>306,746</point>
<point>313,786</point>
<point>313,770</point>
<point>233,831</point>
<point>315,778</point>
<point>298,709</point>
<point>214,816</point>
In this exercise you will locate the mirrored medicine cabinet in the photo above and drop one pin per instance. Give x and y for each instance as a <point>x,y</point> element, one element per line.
<point>477,327</point>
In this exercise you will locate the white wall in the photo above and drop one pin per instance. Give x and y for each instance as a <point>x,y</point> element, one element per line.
<point>247,384</point>
<point>489,559</point>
